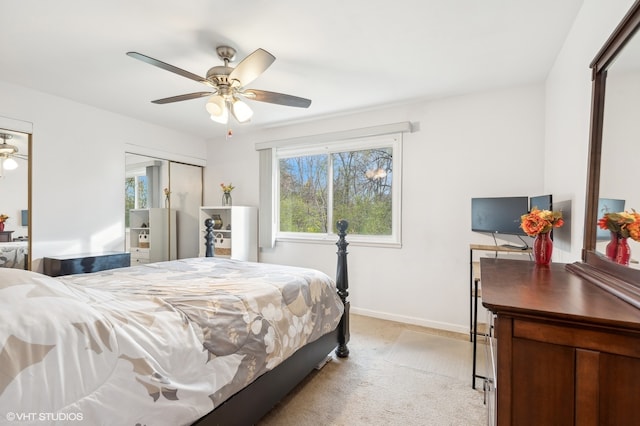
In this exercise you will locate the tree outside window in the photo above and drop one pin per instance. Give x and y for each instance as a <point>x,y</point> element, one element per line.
<point>317,190</point>
<point>136,190</point>
<point>362,190</point>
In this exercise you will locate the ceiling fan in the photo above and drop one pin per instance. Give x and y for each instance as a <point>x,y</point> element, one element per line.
<point>8,153</point>
<point>228,85</point>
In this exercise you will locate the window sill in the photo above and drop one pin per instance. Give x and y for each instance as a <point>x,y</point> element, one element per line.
<point>353,240</point>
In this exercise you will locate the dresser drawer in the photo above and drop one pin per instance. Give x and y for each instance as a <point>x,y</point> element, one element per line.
<point>138,261</point>
<point>139,253</point>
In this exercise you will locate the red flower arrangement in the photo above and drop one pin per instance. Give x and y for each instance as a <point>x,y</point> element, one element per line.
<point>540,221</point>
<point>625,224</point>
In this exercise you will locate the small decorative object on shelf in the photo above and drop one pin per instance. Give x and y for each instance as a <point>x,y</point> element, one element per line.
<point>166,197</point>
<point>143,239</point>
<point>3,219</point>
<point>222,245</point>
<point>539,223</point>
<point>217,221</point>
<point>622,225</point>
<point>226,194</point>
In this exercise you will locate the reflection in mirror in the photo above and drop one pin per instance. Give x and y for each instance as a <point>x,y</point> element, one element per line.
<point>14,199</point>
<point>145,180</point>
<point>621,127</point>
<point>611,162</point>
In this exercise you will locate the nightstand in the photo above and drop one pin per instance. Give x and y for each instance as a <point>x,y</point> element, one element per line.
<point>5,236</point>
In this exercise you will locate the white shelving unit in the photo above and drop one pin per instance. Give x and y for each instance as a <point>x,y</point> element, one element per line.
<point>161,229</point>
<point>239,224</point>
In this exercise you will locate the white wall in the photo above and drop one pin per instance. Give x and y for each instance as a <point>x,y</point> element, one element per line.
<point>78,169</point>
<point>474,145</point>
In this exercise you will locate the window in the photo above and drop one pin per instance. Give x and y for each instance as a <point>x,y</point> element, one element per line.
<point>136,194</point>
<point>357,180</point>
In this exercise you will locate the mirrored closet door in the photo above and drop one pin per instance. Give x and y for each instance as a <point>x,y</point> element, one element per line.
<point>15,196</point>
<point>151,186</point>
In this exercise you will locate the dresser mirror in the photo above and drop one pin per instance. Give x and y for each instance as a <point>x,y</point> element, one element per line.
<point>612,150</point>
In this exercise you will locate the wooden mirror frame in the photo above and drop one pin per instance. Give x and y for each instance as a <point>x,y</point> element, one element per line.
<point>619,280</point>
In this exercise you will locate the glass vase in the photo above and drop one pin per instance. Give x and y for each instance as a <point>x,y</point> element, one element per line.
<point>542,249</point>
<point>611,251</point>
<point>226,198</point>
<point>1,226</point>
<point>623,254</point>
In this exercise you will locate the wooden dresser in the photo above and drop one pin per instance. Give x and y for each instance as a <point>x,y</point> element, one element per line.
<point>568,352</point>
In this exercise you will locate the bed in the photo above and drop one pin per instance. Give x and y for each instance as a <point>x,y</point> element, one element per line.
<point>14,254</point>
<point>194,341</point>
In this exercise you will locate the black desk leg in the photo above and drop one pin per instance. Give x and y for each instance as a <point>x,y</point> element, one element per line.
<point>475,337</point>
<point>471,295</point>
<point>475,332</point>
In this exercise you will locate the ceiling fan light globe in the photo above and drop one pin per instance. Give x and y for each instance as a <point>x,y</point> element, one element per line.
<point>10,164</point>
<point>215,106</point>
<point>241,111</point>
<point>222,119</point>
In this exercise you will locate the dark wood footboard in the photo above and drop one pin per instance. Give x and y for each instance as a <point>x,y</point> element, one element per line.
<point>253,402</point>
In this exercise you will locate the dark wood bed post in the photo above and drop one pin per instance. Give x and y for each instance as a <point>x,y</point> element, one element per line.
<point>342,284</point>
<point>208,237</point>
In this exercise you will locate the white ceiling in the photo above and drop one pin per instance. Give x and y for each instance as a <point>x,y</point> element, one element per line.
<point>344,55</point>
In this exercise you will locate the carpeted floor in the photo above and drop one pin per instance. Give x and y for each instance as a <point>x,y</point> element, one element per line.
<point>396,374</point>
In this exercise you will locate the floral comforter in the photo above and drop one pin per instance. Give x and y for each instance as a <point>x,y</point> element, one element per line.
<point>13,255</point>
<point>156,344</point>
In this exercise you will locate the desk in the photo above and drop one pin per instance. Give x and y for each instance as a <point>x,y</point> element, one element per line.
<point>5,236</point>
<point>475,294</point>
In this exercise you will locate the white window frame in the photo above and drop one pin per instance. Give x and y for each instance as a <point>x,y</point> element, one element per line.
<point>393,141</point>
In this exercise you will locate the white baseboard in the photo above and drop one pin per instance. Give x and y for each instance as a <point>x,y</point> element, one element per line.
<point>456,328</point>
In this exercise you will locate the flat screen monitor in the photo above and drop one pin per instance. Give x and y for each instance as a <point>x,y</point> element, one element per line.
<point>541,202</point>
<point>498,215</point>
<point>607,205</point>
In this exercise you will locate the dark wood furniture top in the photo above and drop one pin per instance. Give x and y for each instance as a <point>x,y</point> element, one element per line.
<point>85,262</point>
<point>5,236</point>
<point>515,286</point>
<point>568,351</point>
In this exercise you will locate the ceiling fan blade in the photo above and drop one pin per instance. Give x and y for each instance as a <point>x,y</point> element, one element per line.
<point>168,67</point>
<point>252,66</point>
<point>276,98</point>
<point>179,98</point>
